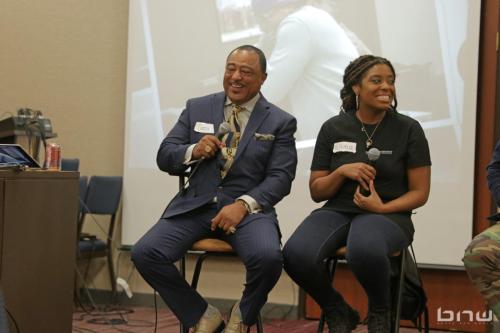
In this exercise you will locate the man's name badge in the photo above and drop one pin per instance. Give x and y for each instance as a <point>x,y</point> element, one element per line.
<point>204,128</point>
<point>344,146</point>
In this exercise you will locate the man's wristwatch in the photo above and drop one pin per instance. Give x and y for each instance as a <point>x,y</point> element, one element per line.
<point>247,206</point>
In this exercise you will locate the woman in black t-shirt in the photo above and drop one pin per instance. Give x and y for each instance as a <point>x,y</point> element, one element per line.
<point>368,202</point>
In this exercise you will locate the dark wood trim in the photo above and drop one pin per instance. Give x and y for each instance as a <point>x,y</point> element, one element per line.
<point>487,111</point>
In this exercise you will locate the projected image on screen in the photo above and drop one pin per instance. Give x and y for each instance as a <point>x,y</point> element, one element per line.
<point>236,20</point>
<point>177,50</point>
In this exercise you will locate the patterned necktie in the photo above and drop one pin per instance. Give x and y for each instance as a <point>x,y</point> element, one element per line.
<point>232,139</point>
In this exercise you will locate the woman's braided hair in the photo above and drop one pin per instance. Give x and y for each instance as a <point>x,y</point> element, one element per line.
<point>353,75</point>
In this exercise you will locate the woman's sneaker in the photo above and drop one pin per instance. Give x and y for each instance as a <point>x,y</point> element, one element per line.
<point>341,318</point>
<point>379,321</point>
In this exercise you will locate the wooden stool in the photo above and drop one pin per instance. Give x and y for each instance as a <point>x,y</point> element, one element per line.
<point>205,248</point>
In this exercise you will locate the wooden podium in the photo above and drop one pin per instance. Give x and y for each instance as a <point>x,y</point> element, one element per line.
<point>38,212</point>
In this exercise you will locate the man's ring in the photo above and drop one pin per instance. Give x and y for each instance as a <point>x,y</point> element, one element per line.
<point>232,229</point>
<point>208,149</point>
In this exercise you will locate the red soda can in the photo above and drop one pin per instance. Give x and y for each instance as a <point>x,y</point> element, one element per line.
<point>53,157</point>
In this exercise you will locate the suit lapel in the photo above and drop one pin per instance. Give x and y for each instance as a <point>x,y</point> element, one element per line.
<point>218,110</point>
<point>259,113</point>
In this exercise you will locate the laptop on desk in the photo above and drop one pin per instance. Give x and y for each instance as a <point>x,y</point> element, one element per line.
<point>14,155</point>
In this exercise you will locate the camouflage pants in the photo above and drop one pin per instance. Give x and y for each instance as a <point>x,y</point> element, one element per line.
<point>482,262</point>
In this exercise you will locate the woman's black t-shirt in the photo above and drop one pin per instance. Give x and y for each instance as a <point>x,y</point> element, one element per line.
<point>402,142</point>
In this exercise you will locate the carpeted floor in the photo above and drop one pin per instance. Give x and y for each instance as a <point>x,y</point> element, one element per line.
<point>142,320</point>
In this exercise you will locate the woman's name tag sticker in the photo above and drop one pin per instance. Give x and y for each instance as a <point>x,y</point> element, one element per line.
<point>344,146</point>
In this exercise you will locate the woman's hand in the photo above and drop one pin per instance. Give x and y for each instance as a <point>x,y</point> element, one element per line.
<point>372,202</point>
<point>324,184</point>
<point>363,173</point>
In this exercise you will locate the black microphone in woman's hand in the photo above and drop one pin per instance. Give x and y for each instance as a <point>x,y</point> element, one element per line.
<point>373,155</point>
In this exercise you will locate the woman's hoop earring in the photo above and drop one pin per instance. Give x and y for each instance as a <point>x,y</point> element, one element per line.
<point>357,102</point>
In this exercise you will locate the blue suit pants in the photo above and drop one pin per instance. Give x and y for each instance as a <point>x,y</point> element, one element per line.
<point>257,244</point>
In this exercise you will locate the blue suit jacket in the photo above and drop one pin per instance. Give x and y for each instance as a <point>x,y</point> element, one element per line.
<point>263,168</point>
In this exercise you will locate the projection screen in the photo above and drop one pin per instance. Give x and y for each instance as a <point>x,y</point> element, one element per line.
<point>177,50</point>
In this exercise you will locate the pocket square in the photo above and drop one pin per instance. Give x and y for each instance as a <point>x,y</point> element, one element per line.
<point>264,137</point>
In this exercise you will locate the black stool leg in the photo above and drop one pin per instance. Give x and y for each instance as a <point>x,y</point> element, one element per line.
<point>182,269</point>
<point>182,263</point>
<point>321,324</point>
<point>399,292</point>
<point>197,270</point>
<point>194,284</point>
<point>196,276</point>
<point>331,264</point>
<point>260,329</point>
<point>426,320</point>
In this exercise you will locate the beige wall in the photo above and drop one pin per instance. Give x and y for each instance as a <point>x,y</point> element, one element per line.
<point>67,58</point>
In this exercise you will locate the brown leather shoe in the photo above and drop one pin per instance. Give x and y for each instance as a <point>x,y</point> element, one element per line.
<point>212,323</point>
<point>235,323</point>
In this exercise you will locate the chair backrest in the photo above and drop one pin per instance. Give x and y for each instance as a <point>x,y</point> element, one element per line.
<point>103,195</point>
<point>70,164</point>
<point>102,198</point>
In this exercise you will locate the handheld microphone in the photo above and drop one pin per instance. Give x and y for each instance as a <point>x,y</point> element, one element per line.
<point>223,129</point>
<point>373,155</point>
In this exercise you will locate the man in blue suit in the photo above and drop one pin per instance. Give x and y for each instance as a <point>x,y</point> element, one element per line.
<point>241,176</point>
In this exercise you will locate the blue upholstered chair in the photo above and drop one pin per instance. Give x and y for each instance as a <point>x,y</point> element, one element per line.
<point>70,164</point>
<point>102,198</point>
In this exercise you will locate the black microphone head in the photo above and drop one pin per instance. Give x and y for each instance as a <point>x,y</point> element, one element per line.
<point>373,154</point>
<point>224,128</point>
